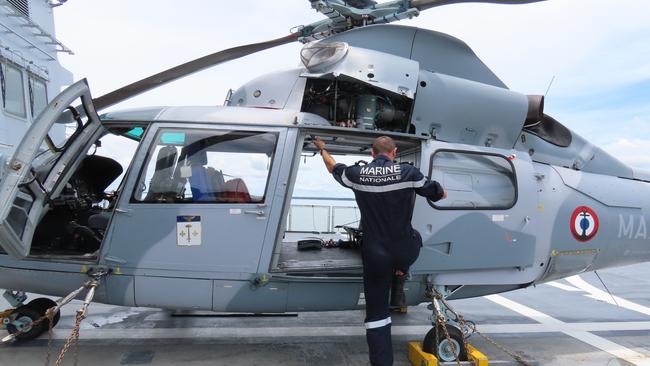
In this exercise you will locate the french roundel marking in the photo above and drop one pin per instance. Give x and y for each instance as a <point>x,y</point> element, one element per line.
<point>584,223</point>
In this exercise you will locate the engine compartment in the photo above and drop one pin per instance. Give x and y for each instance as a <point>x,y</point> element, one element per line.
<point>357,105</point>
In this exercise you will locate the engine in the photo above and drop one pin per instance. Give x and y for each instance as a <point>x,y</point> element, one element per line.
<point>357,105</point>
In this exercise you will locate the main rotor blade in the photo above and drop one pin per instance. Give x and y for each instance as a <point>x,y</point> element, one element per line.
<point>427,4</point>
<point>185,69</point>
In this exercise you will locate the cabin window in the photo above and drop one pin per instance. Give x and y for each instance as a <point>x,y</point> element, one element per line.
<point>13,91</point>
<point>474,180</point>
<point>67,127</point>
<point>207,166</point>
<point>37,95</point>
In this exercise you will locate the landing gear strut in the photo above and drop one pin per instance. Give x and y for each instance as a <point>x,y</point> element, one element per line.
<point>445,340</point>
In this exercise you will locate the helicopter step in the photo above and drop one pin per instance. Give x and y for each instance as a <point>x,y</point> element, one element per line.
<point>418,357</point>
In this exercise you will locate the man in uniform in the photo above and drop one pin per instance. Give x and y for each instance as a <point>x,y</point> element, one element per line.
<point>385,192</point>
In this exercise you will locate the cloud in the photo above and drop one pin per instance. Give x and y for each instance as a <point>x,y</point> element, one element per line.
<point>578,41</point>
<point>589,46</point>
<point>598,51</point>
<point>631,151</point>
<point>602,124</point>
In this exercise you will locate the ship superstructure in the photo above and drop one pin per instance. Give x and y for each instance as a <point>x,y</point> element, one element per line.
<point>30,72</point>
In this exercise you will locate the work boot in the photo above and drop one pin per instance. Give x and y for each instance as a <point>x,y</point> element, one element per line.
<point>397,295</point>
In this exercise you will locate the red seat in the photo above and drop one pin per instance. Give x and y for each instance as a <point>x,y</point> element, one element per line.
<point>235,191</point>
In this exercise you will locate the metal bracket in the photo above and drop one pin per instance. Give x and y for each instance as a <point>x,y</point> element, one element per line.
<point>15,298</point>
<point>261,281</point>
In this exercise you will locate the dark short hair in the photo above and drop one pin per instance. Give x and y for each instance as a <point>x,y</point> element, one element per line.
<point>383,145</point>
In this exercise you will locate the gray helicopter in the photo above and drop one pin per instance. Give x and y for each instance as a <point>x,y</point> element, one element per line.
<point>199,218</point>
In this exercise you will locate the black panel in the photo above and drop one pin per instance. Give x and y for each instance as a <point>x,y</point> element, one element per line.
<point>550,130</point>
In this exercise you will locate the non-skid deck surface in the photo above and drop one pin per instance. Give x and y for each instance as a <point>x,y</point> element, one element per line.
<point>325,258</point>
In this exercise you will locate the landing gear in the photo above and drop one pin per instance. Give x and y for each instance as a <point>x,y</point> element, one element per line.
<point>23,321</point>
<point>446,339</point>
<point>447,349</point>
<point>41,305</point>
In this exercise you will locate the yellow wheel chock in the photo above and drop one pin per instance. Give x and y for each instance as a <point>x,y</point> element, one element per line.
<point>418,357</point>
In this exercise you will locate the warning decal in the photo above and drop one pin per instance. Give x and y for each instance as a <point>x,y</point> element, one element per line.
<point>584,224</point>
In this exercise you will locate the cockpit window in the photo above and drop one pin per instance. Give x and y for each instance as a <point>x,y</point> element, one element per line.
<point>207,166</point>
<point>135,133</point>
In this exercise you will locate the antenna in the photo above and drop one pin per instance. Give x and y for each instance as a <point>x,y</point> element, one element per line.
<point>549,86</point>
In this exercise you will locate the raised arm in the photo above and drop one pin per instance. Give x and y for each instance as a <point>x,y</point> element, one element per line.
<point>432,190</point>
<point>327,158</point>
<point>429,188</point>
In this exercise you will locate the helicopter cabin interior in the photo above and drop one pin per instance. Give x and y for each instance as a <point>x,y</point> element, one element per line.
<point>182,166</point>
<point>321,221</point>
<point>76,220</point>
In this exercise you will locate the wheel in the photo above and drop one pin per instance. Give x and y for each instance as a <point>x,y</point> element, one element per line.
<point>444,351</point>
<point>41,305</point>
<point>23,317</point>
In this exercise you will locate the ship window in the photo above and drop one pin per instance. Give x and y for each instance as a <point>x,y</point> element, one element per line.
<point>474,180</point>
<point>21,5</point>
<point>37,95</point>
<point>14,91</point>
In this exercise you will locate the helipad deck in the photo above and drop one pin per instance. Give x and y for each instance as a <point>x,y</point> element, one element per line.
<point>568,322</point>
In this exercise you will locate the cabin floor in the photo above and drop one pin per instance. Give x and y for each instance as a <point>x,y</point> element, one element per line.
<point>326,258</point>
<point>113,335</point>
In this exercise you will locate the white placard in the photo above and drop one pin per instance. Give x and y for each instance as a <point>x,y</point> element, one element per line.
<point>188,230</point>
<point>499,218</point>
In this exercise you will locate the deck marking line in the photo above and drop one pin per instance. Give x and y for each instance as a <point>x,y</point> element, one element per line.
<point>90,332</point>
<point>562,286</point>
<point>593,340</point>
<point>598,294</point>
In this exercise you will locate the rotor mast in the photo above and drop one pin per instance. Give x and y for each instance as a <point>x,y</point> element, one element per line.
<point>344,15</point>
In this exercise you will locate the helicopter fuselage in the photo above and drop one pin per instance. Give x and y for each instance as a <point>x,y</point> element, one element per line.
<point>200,219</point>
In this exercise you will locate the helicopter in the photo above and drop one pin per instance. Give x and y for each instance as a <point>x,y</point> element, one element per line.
<point>199,219</point>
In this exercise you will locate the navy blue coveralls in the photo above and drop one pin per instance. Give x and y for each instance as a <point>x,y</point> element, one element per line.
<point>385,192</point>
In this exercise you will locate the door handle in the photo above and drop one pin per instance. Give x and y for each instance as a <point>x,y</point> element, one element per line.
<point>254,212</point>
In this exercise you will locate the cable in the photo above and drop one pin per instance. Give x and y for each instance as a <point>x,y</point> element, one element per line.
<point>610,294</point>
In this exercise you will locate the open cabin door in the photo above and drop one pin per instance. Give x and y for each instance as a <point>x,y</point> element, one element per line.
<point>42,163</point>
<point>484,222</point>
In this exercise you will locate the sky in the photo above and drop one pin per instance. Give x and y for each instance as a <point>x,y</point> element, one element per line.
<point>596,51</point>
